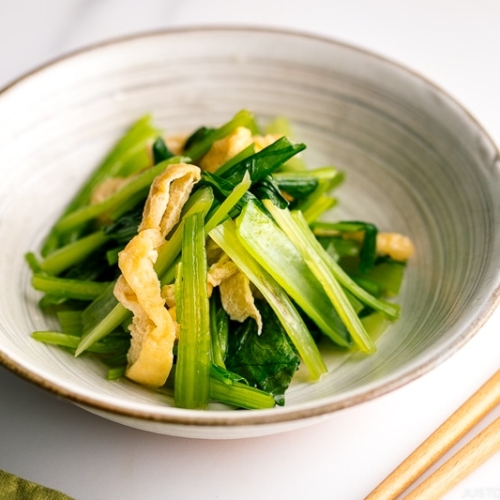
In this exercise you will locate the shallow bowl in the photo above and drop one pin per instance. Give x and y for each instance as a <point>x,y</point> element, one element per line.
<point>416,162</point>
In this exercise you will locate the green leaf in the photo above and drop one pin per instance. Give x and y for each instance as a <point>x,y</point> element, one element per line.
<point>200,134</point>
<point>266,361</point>
<point>267,189</point>
<point>301,184</point>
<point>263,163</point>
<point>160,151</point>
<point>125,227</point>
<point>368,252</point>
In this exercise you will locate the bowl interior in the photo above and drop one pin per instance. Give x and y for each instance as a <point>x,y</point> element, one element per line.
<point>415,163</point>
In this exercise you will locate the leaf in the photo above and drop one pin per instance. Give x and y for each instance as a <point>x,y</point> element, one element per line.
<point>267,361</point>
<point>264,162</point>
<point>267,189</point>
<point>197,136</point>
<point>125,227</point>
<point>160,151</point>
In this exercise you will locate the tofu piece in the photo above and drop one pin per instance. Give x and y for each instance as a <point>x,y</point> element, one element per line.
<point>153,328</point>
<point>225,149</point>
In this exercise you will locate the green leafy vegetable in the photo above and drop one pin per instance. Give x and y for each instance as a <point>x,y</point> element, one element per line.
<point>263,163</point>
<point>266,361</point>
<point>257,216</point>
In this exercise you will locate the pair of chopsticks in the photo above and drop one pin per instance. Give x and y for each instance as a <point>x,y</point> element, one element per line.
<point>467,459</point>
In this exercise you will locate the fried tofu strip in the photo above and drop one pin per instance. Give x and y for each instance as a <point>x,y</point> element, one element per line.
<point>397,246</point>
<point>153,330</point>
<point>237,299</point>
<point>226,148</point>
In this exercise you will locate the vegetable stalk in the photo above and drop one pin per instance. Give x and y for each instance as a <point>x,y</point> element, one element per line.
<point>192,378</point>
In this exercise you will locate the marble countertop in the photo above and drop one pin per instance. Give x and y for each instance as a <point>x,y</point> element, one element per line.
<point>454,43</point>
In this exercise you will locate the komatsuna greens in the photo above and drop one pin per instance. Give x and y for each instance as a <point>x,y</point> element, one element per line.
<point>211,266</point>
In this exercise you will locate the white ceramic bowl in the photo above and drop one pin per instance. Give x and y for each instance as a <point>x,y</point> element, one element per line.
<point>416,162</point>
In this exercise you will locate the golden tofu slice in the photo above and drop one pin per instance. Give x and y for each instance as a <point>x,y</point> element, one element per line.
<point>225,149</point>
<point>167,195</point>
<point>175,143</point>
<point>397,246</point>
<point>220,271</point>
<point>153,328</point>
<point>237,299</point>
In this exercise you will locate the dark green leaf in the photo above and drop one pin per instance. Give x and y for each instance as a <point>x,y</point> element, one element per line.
<point>267,361</point>
<point>264,162</point>
<point>160,151</point>
<point>197,136</point>
<point>267,189</point>
<point>125,227</point>
<point>297,186</point>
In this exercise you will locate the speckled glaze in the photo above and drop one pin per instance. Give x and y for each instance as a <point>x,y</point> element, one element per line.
<point>416,163</point>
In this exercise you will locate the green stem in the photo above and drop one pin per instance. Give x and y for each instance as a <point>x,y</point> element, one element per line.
<point>229,203</point>
<point>134,140</point>
<point>71,341</point>
<point>391,310</point>
<point>276,253</point>
<point>110,323</point>
<point>240,395</point>
<point>65,257</point>
<point>219,329</point>
<point>299,232</point>
<point>192,382</point>
<point>68,288</point>
<point>130,190</point>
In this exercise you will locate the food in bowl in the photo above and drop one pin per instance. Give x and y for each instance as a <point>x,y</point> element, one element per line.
<point>200,264</point>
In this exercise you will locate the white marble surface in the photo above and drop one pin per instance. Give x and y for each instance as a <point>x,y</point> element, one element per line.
<point>455,43</point>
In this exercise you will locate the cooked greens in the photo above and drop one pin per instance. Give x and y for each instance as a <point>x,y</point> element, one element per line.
<point>215,284</point>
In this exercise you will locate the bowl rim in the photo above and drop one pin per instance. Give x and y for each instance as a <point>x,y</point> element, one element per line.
<point>176,416</point>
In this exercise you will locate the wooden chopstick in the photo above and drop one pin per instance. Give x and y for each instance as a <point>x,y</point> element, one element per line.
<point>438,443</point>
<point>468,458</point>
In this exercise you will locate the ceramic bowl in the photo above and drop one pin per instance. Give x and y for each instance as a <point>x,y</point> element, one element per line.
<point>416,162</point>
